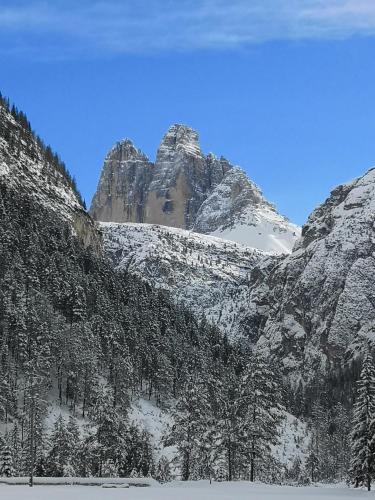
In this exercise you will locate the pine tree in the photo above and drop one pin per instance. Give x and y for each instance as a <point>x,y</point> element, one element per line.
<point>59,454</point>
<point>312,464</point>
<point>261,394</point>
<point>189,418</point>
<point>163,470</point>
<point>110,428</point>
<point>362,467</point>
<point>110,469</point>
<point>6,462</point>
<point>229,412</point>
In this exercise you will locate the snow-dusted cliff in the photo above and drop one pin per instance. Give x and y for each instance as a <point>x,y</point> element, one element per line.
<point>316,307</point>
<point>189,190</point>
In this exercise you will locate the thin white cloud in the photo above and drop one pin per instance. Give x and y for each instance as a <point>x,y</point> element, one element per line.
<point>98,27</point>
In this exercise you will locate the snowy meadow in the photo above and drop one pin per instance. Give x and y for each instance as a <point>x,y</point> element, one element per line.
<point>197,490</point>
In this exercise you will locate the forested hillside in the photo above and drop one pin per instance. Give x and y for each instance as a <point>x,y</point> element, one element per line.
<point>67,319</point>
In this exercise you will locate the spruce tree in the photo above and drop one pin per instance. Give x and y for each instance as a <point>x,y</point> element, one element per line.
<point>362,466</point>
<point>163,470</point>
<point>261,394</point>
<point>189,419</point>
<point>6,462</point>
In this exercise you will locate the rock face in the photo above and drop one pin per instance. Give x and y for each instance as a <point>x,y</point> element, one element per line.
<point>316,306</point>
<point>121,193</point>
<point>188,190</point>
<point>236,210</point>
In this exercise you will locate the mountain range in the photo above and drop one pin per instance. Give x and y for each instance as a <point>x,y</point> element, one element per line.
<point>189,190</point>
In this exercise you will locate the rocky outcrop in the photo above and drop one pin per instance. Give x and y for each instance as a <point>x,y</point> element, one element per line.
<point>122,189</point>
<point>316,307</point>
<point>189,190</point>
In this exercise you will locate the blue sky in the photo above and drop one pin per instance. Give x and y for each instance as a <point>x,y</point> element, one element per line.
<point>284,88</point>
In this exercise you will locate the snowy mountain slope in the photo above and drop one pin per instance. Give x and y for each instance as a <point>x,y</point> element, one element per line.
<point>28,167</point>
<point>317,305</point>
<point>294,441</point>
<point>189,190</point>
<point>156,421</point>
<point>236,210</point>
<point>207,274</point>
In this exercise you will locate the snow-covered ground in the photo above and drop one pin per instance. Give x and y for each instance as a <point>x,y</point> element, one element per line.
<point>200,490</point>
<point>263,229</point>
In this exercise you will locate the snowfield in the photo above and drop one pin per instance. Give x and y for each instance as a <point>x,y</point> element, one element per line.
<point>199,490</point>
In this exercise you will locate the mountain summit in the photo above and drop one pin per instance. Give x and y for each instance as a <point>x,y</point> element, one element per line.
<point>187,189</point>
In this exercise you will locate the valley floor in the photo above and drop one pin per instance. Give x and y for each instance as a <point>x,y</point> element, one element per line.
<point>199,490</point>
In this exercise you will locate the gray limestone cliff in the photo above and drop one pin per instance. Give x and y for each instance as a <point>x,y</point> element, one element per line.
<point>315,308</point>
<point>169,192</point>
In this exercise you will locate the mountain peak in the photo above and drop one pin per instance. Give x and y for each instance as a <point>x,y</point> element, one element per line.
<point>189,190</point>
<point>179,138</point>
<point>125,150</point>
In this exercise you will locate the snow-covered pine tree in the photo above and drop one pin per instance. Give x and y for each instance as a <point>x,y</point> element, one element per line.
<point>111,428</point>
<point>312,463</point>
<point>228,409</point>
<point>163,470</point>
<point>146,460</point>
<point>73,445</point>
<point>6,462</point>
<point>16,449</point>
<point>58,458</point>
<point>189,425</point>
<point>209,448</point>
<point>261,393</point>
<point>362,466</point>
<point>110,469</point>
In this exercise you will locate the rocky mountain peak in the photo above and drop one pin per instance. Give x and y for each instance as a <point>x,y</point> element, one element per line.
<point>188,190</point>
<point>178,139</point>
<point>354,200</point>
<point>125,150</point>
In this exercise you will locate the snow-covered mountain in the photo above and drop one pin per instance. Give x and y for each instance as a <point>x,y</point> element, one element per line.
<point>189,190</point>
<point>28,166</point>
<point>207,274</point>
<point>236,210</point>
<point>316,307</point>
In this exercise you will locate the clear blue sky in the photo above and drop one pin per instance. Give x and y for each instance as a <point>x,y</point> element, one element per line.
<point>283,88</point>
